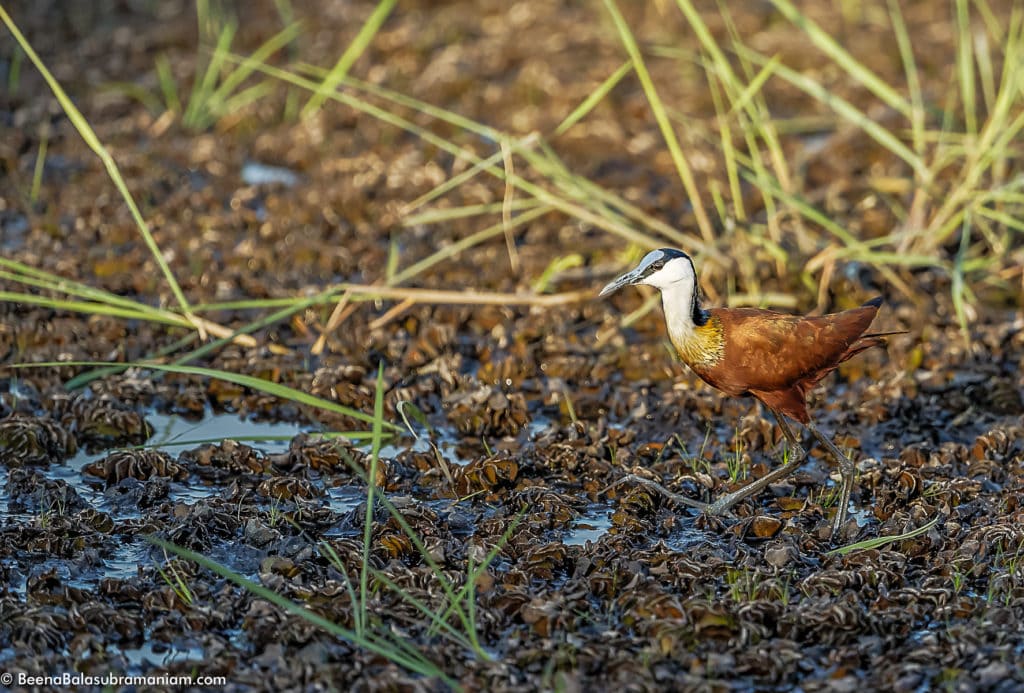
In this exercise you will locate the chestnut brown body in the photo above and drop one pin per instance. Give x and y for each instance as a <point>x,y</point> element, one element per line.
<point>775,357</point>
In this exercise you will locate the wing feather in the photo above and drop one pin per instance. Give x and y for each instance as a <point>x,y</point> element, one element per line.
<point>766,351</point>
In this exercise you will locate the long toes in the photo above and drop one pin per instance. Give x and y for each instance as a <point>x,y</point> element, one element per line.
<point>672,497</point>
<point>720,506</point>
<point>836,535</point>
<point>688,502</point>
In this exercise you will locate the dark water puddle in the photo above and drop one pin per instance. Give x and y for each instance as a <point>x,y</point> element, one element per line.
<point>422,443</point>
<point>173,434</point>
<point>344,499</point>
<point>446,442</point>
<point>142,658</point>
<point>128,560</point>
<point>128,552</point>
<point>591,525</point>
<point>687,537</point>
<point>595,523</point>
<point>864,515</point>
<point>150,654</point>
<point>14,230</point>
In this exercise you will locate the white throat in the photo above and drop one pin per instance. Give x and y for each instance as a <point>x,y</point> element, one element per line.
<point>678,284</point>
<point>677,302</point>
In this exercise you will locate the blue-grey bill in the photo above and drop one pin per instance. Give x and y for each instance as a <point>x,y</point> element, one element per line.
<point>619,282</point>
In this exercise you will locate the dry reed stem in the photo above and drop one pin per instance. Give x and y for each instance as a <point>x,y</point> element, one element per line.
<point>468,297</point>
<point>506,207</point>
<point>341,311</point>
<point>392,313</point>
<point>204,326</point>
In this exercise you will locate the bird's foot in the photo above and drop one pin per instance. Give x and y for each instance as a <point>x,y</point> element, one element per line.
<point>672,496</point>
<point>723,504</point>
<point>839,522</point>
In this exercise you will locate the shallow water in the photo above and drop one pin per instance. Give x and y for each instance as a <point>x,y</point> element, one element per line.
<point>591,525</point>
<point>174,434</point>
<point>147,654</point>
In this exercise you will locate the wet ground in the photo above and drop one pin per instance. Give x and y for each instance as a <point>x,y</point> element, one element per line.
<point>532,413</point>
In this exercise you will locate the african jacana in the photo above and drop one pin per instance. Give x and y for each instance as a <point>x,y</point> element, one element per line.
<point>774,357</point>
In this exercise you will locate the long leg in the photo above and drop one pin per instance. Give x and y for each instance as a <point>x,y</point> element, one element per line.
<point>673,497</point>
<point>797,455</point>
<point>846,471</point>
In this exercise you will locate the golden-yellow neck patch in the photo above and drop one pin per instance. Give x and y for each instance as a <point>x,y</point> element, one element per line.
<point>703,346</point>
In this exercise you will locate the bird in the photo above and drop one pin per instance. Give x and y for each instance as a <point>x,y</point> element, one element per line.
<point>774,357</point>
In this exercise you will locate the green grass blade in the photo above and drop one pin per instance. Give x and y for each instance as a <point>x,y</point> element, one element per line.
<point>965,67</point>
<point>236,102</point>
<point>168,87</point>
<point>89,136</point>
<point>435,216</point>
<point>371,487</point>
<point>728,154</point>
<point>608,204</point>
<point>522,147</point>
<point>457,247</point>
<point>554,268</point>
<point>569,208</point>
<point>594,98</point>
<point>14,71</point>
<point>759,115</point>
<point>664,124</point>
<point>994,140</point>
<point>244,70</point>
<point>252,382</point>
<point>83,379</point>
<point>849,112</point>
<point>453,182</point>
<point>917,112</point>
<point>467,592</point>
<point>290,309</point>
<point>41,279</point>
<point>137,92</point>
<point>37,170</point>
<point>807,210</point>
<point>986,70</point>
<point>746,97</point>
<point>957,285</point>
<point>437,624</point>
<point>882,541</point>
<point>1003,218</point>
<point>386,649</point>
<point>435,569</point>
<point>198,113</point>
<point>339,565</point>
<point>355,49</point>
<point>841,57</point>
<point>90,308</point>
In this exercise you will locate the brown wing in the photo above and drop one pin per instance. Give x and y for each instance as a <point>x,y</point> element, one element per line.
<point>768,351</point>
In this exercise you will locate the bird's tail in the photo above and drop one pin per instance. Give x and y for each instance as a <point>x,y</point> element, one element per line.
<point>868,341</point>
<point>882,335</point>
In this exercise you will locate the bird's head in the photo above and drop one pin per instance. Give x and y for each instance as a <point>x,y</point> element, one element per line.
<point>663,269</point>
